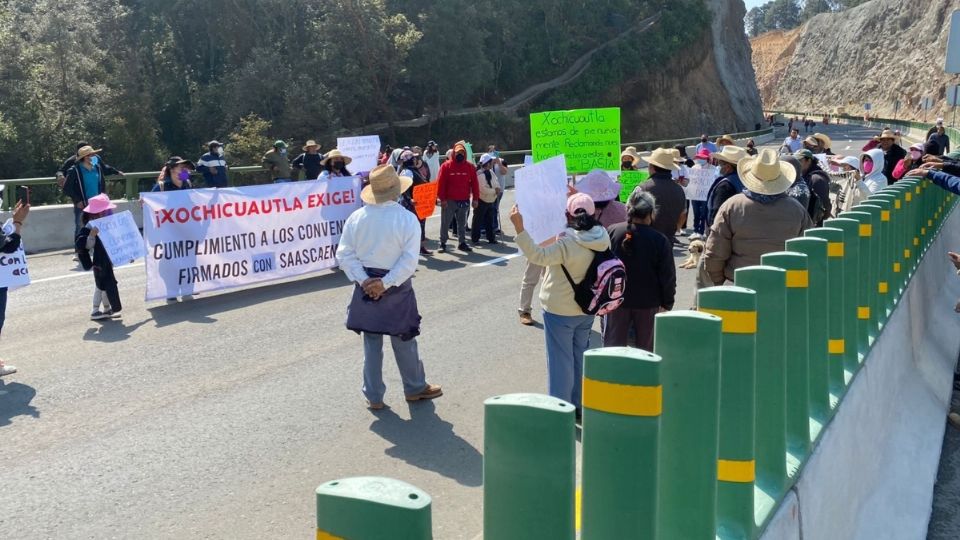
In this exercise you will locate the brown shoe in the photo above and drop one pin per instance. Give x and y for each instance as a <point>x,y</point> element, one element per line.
<point>954,419</point>
<point>526,319</point>
<point>430,392</point>
<point>375,406</point>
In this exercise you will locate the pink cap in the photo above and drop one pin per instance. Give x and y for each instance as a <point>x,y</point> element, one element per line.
<point>580,201</point>
<point>702,154</point>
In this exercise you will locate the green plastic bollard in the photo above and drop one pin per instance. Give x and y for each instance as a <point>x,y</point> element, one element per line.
<point>851,273</point>
<point>372,508</point>
<point>901,235</point>
<point>818,382</point>
<point>689,344</point>
<point>529,467</point>
<point>797,357</point>
<point>736,465</point>
<point>884,232</point>
<point>835,336</point>
<point>770,284</point>
<point>879,257</point>
<point>622,402</point>
<point>887,202</point>
<point>866,326</point>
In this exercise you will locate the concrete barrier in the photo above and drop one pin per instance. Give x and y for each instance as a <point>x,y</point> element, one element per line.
<point>51,227</point>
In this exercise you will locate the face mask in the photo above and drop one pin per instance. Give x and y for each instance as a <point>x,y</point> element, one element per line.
<point>700,162</point>
<point>703,140</point>
<point>915,155</point>
<point>460,158</point>
<point>283,151</point>
<point>94,160</point>
<point>626,165</point>
<point>337,165</point>
<point>183,175</point>
<point>868,167</point>
<point>220,151</point>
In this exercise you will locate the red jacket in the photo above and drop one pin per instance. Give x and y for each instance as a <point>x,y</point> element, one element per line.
<point>457,181</point>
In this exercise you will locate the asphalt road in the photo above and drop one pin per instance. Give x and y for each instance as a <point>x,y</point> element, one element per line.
<point>218,417</point>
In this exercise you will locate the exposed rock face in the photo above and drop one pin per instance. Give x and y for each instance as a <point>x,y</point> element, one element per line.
<point>732,52</point>
<point>878,53</point>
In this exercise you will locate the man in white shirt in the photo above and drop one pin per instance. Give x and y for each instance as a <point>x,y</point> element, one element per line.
<point>793,142</point>
<point>379,251</point>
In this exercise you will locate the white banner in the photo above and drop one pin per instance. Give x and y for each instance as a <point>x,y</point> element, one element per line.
<point>700,179</point>
<point>541,192</point>
<point>208,239</point>
<point>13,269</point>
<point>364,152</point>
<point>120,237</point>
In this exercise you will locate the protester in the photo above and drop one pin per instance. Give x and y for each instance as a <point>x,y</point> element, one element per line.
<point>11,243</point>
<point>824,144</point>
<point>629,159</point>
<point>792,143</point>
<point>892,153</point>
<point>912,159</point>
<point>751,147</point>
<point>88,241</point>
<point>728,183</point>
<point>484,216</point>
<point>701,169</point>
<point>651,274</point>
<point>871,170</point>
<point>603,190</point>
<point>378,252</point>
<point>408,169</point>
<point>679,176</point>
<point>854,191</point>
<point>942,139</point>
<point>175,175</point>
<point>457,185</point>
<point>309,161</point>
<point>531,277</point>
<point>384,157</point>
<point>705,144</point>
<point>724,140</point>
<point>757,221</point>
<point>799,190</point>
<point>500,169</point>
<point>566,326</point>
<point>276,162</point>
<point>67,164</point>
<point>213,167</point>
<point>420,165</point>
<point>334,165</point>
<point>86,179</point>
<point>671,199</point>
<point>819,182</point>
<point>432,158</point>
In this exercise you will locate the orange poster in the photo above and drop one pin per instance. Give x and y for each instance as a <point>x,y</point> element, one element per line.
<point>425,199</point>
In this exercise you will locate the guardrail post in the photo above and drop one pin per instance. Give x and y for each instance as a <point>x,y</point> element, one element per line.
<point>622,402</point>
<point>851,273</point>
<point>372,507</point>
<point>796,312</point>
<point>529,467</point>
<point>816,251</point>
<point>880,284</point>
<point>835,336</point>
<point>736,465</point>
<point>689,344</point>
<point>894,235</point>
<point>866,299</point>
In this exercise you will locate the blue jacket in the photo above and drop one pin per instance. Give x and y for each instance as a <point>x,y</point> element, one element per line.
<point>214,170</point>
<point>946,181</point>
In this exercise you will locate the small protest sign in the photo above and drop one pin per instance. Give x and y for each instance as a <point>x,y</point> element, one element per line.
<point>425,199</point>
<point>700,180</point>
<point>542,198</point>
<point>589,138</point>
<point>364,152</point>
<point>120,237</point>
<point>629,180</point>
<point>13,269</point>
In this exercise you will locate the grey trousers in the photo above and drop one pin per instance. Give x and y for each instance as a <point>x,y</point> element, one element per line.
<point>531,276</point>
<point>448,211</point>
<point>617,325</point>
<point>408,361</point>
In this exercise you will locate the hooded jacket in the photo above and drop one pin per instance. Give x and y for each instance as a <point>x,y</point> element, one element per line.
<point>876,180</point>
<point>73,185</point>
<point>457,181</point>
<point>890,157</point>
<point>574,250</point>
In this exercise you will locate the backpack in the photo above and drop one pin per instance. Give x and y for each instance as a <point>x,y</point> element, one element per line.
<point>817,209</point>
<point>602,288</point>
<point>83,255</point>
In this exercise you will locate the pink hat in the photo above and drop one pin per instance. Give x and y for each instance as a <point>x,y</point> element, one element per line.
<point>702,154</point>
<point>580,201</point>
<point>599,186</point>
<point>99,204</point>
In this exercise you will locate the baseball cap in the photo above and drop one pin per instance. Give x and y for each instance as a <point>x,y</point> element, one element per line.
<point>803,153</point>
<point>580,201</point>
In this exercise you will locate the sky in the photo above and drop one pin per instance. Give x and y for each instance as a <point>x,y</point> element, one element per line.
<point>754,3</point>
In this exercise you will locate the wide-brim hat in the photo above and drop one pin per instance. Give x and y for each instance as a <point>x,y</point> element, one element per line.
<point>825,141</point>
<point>310,144</point>
<point>663,158</point>
<point>631,153</point>
<point>173,161</point>
<point>886,134</point>
<point>385,185</point>
<point>766,174</point>
<point>731,154</point>
<point>336,153</point>
<point>812,141</point>
<point>725,139</point>
<point>100,203</point>
<point>599,186</point>
<point>85,151</point>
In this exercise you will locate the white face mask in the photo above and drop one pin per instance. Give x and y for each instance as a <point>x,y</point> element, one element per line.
<point>700,162</point>
<point>219,150</point>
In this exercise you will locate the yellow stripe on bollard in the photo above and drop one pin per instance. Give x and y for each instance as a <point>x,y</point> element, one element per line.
<point>324,535</point>
<point>736,322</point>
<point>896,204</point>
<point>729,470</point>
<point>909,196</point>
<point>836,346</point>
<point>863,313</point>
<point>835,249</point>
<point>866,230</point>
<point>906,254</point>
<point>624,399</point>
<point>923,231</point>
<point>929,223</point>
<point>883,287</point>
<point>884,215</point>
<point>916,242</point>
<point>896,268</point>
<point>798,279</point>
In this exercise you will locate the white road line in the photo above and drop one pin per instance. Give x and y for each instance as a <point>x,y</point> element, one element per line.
<point>847,148</point>
<point>79,274</point>
<point>498,260</point>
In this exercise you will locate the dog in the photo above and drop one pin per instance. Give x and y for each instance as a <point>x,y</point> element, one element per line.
<point>695,248</point>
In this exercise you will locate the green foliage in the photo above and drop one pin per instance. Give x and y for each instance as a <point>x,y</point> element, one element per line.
<point>249,141</point>
<point>787,14</point>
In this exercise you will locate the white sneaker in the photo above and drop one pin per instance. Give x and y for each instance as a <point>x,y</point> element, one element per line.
<point>695,236</point>
<point>99,315</point>
<point>7,370</point>
<point>681,233</point>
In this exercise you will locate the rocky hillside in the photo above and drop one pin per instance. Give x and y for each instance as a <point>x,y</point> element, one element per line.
<point>879,52</point>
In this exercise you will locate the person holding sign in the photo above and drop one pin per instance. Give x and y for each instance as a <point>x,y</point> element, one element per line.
<point>10,244</point>
<point>378,252</point>
<point>409,168</point>
<point>603,190</point>
<point>334,165</point>
<point>457,184</point>
<point>485,215</point>
<point>700,178</point>
<point>93,256</point>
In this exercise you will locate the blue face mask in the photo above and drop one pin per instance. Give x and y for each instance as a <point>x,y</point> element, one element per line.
<point>700,162</point>
<point>95,160</point>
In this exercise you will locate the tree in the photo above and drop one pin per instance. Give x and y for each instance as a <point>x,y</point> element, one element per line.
<point>782,15</point>
<point>812,8</point>
<point>755,20</point>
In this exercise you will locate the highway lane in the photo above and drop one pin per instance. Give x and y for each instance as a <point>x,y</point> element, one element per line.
<point>218,417</point>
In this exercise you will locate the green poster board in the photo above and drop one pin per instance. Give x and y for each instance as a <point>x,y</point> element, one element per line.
<point>629,180</point>
<point>589,138</point>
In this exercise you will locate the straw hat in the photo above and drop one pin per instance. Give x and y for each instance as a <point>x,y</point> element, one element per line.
<point>725,139</point>
<point>335,153</point>
<point>99,204</point>
<point>731,154</point>
<point>310,144</point>
<point>599,186</point>
<point>825,141</point>
<point>812,141</point>
<point>85,151</point>
<point>631,152</point>
<point>663,158</point>
<point>766,174</point>
<point>385,185</point>
<point>887,134</point>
